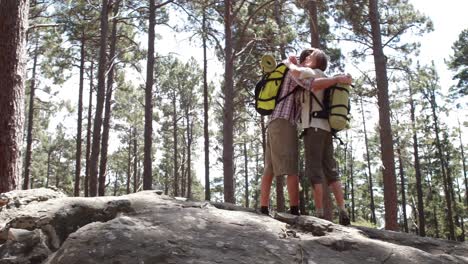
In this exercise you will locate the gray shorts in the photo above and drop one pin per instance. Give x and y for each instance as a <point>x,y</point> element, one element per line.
<point>319,161</point>
<point>281,152</point>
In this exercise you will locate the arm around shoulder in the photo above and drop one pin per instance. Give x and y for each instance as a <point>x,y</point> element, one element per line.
<point>326,82</point>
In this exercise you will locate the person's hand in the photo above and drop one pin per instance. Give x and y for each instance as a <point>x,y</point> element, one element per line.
<point>293,59</point>
<point>344,78</point>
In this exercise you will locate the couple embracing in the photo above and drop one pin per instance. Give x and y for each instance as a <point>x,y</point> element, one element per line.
<point>281,154</point>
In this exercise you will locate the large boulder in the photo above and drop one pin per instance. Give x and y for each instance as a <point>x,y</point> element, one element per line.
<point>147,227</point>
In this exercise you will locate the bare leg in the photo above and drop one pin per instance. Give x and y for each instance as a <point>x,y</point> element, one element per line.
<point>292,182</point>
<point>318,196</point>
<point>338,192</point>
<point>265,190</point>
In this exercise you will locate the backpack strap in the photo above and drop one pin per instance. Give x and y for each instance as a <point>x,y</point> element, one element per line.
<point>318,114</point>
<point>337,137</point>
<point>288,94</point>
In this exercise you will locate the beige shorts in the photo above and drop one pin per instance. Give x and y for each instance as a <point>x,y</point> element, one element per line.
<point>319,161</point>
<point>281,152</point>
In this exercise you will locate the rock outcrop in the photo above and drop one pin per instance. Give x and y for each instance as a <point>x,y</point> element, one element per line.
<point>44,226</point>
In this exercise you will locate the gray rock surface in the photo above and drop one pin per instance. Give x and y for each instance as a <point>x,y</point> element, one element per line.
<point>146,227</point>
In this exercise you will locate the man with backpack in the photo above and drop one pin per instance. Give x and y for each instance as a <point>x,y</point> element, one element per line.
<point>281,153</point>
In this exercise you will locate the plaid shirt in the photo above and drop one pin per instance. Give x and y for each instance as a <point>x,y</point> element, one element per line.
<point>287,108</point>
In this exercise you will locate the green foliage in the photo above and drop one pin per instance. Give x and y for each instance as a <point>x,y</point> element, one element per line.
<point>459,63</point>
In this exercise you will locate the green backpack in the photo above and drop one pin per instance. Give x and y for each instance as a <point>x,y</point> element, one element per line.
<point>335,107</point>
<point>268,89</point>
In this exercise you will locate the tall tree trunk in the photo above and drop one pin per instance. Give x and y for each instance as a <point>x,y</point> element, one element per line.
<point>386,139</point>
<point>228,110</point>
<point>462,152</point>
<point>174,137</point>
<point>313,24</point>
<point>14,18</point>
<point>257,176</point>
<point>135,161</point>
<point>183,169</point>
<point>369,171</point>
<point>462,222</point>
<point>432,201</point>
<point>205,113</point>
<point>417,168</point>
<point>32,91</point>
<point>436,222</point>
<point>303,181</point>
<point>402,182</point>
<point>189,162</point>
<point>246,173</point>
<point>279,21</point>
<point>148,134</point>
<point>116,184</point>
<point>457,218</point>
<point>447,193</point>
<point>95,149</point>
<point>88,132</point>
<point>263,131</point>
<point>351,174</point>
<point>129,160</point>
<point>166,183</point>
<point>108,106</point>
<point>57,175</point>
<point>80,118</point>
<point>49,154</point>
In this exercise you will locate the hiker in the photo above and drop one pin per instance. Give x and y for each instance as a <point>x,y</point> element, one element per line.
<point>319,154</point>
<point>281,153</point>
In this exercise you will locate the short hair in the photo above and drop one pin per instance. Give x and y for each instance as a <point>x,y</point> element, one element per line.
<point>321,57</point>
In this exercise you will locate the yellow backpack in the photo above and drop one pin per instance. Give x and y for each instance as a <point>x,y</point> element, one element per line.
<point>268,89</point>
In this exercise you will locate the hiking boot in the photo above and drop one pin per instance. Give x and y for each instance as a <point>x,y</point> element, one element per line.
<point>294,210</point>
<point>264,210</point>
<point>344,218</point>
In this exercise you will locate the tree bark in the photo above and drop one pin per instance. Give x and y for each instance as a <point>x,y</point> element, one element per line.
<point>135,160</point>
<point>88,132</point>
<point>175,147</point>
<point>246,174</point>
<point>313,24</point>
<point>351,174</point>
<point>189,155</point>
<point>49,154</point>
<point>129,160</point>
<point>95,149</point>
<point>32,91</point>
<point>80,118</point>
<point>14,21</point>
<point>280,203</point>
<point>462,152</point>
<point>369,171</point>
<point>403,192</point>
<point>443,167</point>
<point>228,110</point>
<point>278,17</point>
<point>386,139</point>
<point>205,113</point>
<point>148,134</point>
<point>183,172</point>
<point>417,168</point>
<point>257,176</point>
<point>108,104</point>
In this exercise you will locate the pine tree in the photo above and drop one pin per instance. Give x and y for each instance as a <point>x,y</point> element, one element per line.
<point>12,74</point>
